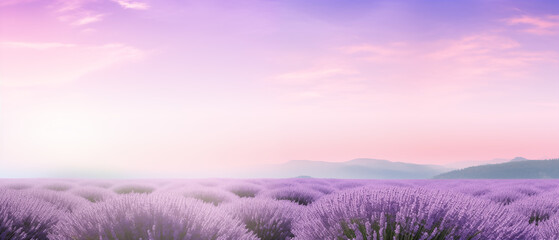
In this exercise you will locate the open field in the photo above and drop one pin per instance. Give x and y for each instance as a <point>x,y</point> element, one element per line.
<point>279,209</point>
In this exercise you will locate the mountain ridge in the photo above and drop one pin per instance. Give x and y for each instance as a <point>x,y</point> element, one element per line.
<point>358,168</point>
<point>514,169</point>
<point>371,168</point>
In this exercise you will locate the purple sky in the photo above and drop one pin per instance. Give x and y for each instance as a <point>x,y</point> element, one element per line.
<point>167,86</point>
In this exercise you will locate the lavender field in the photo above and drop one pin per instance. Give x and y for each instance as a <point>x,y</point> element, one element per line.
<point>279,209</point>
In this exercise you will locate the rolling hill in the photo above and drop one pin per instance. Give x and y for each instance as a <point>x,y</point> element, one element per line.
<point>516,169</point>
<point>361,168</point>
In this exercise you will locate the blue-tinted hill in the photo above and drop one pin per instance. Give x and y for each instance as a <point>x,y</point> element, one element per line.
<point>516,169</point>
<point>361,168</point>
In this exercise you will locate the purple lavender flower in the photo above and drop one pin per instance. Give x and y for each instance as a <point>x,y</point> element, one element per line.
<point>325,189</point>
<point>208,182</point>
<point>407,213</point>
<point>280,183</point>
<point>93,194</point>
<point>63,201</point>
<point>156,216</point>
<point>508,194</point>
<point>210,195</point>
<point>244,190</point>
<point>23,217</point>
<point>548,229</point>
<point>538,208</point>
<point>267,218</point>
<point>133,188</point>
<point>475,190</point>
<point>348,184</point>
<point>411,209</point>
<point>546,185</point>
<point>300,194</point>
<point>58,186</point>
<point>98,183</point>
<point>16,185</point>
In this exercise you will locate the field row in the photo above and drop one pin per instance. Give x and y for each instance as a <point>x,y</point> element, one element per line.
<point>279,209</point>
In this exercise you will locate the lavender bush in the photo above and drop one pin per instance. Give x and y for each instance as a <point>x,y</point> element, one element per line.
<point>99,183</point>
<point>473,190</point>
<point>133,188</point>
<point>324,189</point>
<point>58,186</point>
<point>545,185</point>
<point>140,216</point>
<point>24,217</point>
<point>304,209</point>
<point>208,182</point>
<point>16,185</point>
<point>348,184</point>
<point>244,190</point>
<point>281,183</point>
<point>210,195</point>
<point>506,195</point>
<point>548,229</point>
<point>268,219</point>
<point>93,194</point>
<point>300,195</point>
<point>539,208</point>
<point>63,201</point>
<point>407,213</point>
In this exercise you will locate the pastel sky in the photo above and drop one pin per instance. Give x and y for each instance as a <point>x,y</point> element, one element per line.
<point>173,87</point>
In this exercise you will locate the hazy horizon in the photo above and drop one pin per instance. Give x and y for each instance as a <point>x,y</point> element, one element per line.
<point>149,88</point>
<point>262,170</point>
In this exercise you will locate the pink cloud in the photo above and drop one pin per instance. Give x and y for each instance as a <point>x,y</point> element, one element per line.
<point>14,2</point>
<point>372,49</point>
<point>44,63</point>
<point>88,19</point>
<point>75,13</point>
<point>546,25</point>
<point>80,12</point>
<point>439,66</point>
<point>129,4</point>
<point>37,46</point>
<point>314,74</point>
<point>474,45</point>
<point>378,53</point>
<point>479,56</point>
<point>314,83</point>
<point>70,5</point>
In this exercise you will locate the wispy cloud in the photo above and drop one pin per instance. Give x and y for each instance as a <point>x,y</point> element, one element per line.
<point>75,12</point>
<point>70,5</point>
<point>88,19</point>
<point>84,12</point>
<point>444,65</point>
<point>376,52</point>
<point>480,55</point>
<point>13,2</point>
<point>546,25</point>
<point>318,82</point>
<point>479,44</point>
<point>36,46</point>
<point>390,50</point>
<point>44,63</point>
<point>129,4</point>
<point>314,74</point>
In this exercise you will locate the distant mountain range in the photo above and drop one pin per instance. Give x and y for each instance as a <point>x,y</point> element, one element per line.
<point>519,159</point>
<point>367,168</point>
<point>515,168</point>
<point>361,168</point>
<point>465,164</point>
